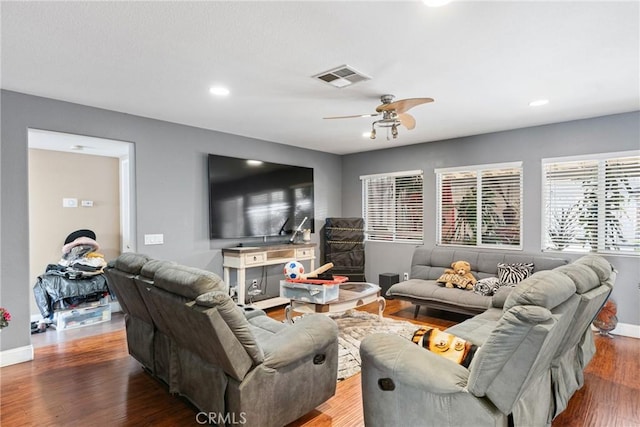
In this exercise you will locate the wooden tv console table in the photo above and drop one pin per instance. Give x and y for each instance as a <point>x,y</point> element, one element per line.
<point>242,258</point>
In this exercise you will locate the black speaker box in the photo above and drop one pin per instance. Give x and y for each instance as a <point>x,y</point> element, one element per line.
<point>386,280</point>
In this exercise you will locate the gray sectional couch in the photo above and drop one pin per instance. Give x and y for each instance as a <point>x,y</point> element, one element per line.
<point>231,361</point>
<point>533,347</point>
<point>427,264</point>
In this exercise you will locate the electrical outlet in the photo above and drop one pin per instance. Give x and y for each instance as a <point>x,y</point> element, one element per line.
<point>405,276</point>
<point>254,289</point>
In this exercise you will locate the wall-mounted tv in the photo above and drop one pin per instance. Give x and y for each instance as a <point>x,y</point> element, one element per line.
<point>252,198</point>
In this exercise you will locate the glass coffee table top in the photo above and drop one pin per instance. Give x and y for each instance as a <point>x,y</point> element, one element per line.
<point>350,295</point>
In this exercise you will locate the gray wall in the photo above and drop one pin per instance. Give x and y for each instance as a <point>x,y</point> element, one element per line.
<point>171,186</point>
<point>599,135</point>
<point>172,196</point>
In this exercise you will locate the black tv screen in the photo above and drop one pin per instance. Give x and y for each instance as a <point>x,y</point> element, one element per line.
<point>252,198</point>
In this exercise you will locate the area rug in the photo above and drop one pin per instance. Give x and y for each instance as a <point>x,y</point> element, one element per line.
<point>354,325</point>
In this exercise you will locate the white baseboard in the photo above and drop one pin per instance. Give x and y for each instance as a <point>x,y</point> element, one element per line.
<point>16,355</point>
<point>627,330</point>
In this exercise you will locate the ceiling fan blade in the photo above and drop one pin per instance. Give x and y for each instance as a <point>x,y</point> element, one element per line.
<point>407,120</point>
<point>352,117</point>
<point>403,104</point>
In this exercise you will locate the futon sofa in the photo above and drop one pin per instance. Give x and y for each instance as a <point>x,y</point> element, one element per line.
<point>228,360</point>
<point>532,350</point>
<point>428,264</point>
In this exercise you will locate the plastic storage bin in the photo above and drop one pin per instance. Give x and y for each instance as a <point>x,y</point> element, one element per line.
<point>82,316</point>
<point>306,292</point>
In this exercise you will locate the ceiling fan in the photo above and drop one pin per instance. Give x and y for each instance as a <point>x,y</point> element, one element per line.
<point>393,114</point>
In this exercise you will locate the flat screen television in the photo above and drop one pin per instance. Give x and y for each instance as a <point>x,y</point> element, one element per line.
<point>251,198</point>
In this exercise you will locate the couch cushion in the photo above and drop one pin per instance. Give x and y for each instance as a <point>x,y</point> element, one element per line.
<point>583,276</point>
<point>605,271</point>
<point>546,289</point>
<point>149,269</point>
<point>235,319</point>
<point>188,282</point>
<point>477,328</point>
<point>429,290</point>
<point>130,262</point>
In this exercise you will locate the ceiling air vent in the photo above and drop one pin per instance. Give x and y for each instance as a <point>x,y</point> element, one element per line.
<point>342,76</point>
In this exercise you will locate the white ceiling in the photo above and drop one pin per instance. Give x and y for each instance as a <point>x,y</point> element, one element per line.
<point>482,62</point>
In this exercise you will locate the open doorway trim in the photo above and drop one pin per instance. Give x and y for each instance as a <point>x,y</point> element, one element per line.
<point>97,146</point>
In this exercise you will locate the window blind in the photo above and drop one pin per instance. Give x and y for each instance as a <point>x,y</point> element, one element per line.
<point>480,205</point>
<point>592,205</point>
<point>393,207</point>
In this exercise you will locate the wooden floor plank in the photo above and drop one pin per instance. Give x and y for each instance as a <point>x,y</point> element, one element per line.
<point>92,380</point>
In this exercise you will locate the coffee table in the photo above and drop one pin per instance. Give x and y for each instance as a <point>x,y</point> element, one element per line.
<point>350,295</point>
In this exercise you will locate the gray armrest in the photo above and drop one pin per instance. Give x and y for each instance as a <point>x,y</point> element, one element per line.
<point>251,312</point>
<point>411,365</point>
<point>308,336</point>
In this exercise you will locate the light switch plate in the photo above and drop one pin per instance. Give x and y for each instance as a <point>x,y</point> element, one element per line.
<point>154,239</point>
<point>69,203</point>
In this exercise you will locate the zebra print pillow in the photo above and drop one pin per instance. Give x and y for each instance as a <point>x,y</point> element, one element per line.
<point>512,274</point>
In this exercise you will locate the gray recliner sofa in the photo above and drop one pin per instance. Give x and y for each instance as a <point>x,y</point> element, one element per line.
<point>228,360</point>
<point>532,352</point>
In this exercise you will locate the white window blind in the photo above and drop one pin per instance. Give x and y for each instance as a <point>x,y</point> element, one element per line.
<point>392,206</point>
<point>480,206</point>
<point>592,204</point>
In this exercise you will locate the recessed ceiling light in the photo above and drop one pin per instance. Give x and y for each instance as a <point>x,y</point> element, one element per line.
<point>366,134</point>
<point>538,102</point>
<point>436,3</point>
<point>254,162</point>
<point>219,91</point>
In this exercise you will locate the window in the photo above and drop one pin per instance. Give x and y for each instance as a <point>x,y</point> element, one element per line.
<point>592,204</point>
<point>392,207</point>
<point>486,198</point>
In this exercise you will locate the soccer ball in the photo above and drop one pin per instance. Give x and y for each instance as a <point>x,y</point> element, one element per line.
<point>293,270</point>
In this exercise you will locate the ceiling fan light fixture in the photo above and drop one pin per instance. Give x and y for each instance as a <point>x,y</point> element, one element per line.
<point>373,134</point>
<point>394,131</point>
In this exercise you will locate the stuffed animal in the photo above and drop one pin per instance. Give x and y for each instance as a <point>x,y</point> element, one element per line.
<point>459,275</point>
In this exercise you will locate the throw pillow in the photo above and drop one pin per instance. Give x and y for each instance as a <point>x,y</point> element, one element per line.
<point>487,286</point>
<point>512,274</point>
<point>444,344</point>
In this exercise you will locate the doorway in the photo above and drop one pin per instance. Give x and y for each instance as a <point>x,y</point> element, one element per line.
<point>78,182</point>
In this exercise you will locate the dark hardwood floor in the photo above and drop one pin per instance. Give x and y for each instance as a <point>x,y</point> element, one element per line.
<point>90,380</point>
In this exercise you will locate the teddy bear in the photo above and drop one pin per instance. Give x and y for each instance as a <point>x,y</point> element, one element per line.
<point>459,275</point>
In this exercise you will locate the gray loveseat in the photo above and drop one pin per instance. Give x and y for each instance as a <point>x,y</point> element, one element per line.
<point>427,264</point>
<point>231,361</point>
<point>531,355</point>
